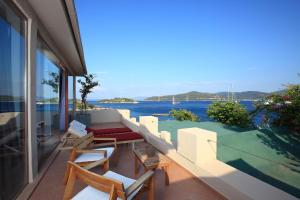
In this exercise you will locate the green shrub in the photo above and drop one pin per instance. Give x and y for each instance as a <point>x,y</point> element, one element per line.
<point>284,107</point>
<point>183,114</point>
<point>229,113</point>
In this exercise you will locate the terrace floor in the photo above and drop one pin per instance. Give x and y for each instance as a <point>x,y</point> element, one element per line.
<point>183,185</point>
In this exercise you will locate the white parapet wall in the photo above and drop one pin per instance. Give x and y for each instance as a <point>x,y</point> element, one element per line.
<point>124,113</point>
<point>166,136</point>
<point>148,125</point>
<point>105,116</point>
<point>195,145</point>
<point>131,123</point>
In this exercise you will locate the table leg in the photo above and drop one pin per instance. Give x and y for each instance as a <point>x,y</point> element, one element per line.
<point>136,165</point>
<point>166,171</point>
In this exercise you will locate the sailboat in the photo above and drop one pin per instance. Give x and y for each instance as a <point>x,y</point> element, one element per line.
<point>174,102</point>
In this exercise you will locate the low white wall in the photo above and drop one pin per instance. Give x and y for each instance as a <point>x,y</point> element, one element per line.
<point>193,143</point>
<point>105,116</point>
<point>131,123</point>
<point>149,124</point>
<point>124,113</point>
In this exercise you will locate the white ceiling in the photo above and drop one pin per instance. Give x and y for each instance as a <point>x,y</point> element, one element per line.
<point>56,19</point>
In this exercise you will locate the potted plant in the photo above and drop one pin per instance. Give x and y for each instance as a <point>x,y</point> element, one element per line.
<point>87,85</point>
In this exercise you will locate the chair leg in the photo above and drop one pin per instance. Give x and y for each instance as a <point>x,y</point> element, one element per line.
<point>71,158</point>
<point>69,188</point>
<point>151,189</point>
<point>106,166</point>
<point>66,176</point>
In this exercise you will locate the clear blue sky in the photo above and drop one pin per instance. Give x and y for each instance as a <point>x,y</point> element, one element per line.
<point>156,47</point>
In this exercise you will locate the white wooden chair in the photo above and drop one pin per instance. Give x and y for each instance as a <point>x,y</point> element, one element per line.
<point>86,154</point>
<point>110,186</point>
<point>75,131</point>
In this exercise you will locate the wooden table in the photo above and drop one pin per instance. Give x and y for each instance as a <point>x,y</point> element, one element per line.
<point>151,158</point>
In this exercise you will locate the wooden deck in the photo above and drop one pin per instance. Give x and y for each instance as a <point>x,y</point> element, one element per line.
<point>183,185</point>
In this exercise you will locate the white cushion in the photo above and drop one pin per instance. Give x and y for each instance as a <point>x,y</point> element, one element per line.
<point>90,193</point>
<point>78,124</point>
<point>77,132</point>
<point>90,157</point>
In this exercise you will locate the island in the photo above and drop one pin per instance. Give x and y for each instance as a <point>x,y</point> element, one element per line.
<point>118,100</point>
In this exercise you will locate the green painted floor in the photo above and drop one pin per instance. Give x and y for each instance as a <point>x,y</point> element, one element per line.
<point>271,156</point>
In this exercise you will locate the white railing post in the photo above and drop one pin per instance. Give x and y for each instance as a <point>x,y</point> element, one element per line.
<point>197,145</point>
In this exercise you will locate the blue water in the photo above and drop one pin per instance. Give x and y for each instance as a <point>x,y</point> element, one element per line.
<point>146,108</point>
<point>20,107</point>
<point>143,108</point>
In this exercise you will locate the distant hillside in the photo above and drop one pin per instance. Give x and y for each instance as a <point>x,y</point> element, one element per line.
<point>117,100</point>
<point>194,96</point>
<point>245,95</point>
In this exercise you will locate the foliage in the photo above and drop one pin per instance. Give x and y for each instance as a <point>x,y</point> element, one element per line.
<point>88,106</point>
<point>183,114</point>
<point>53,82</point>
<point>285,108</point>
<point>229,113</point>
<point>86,88</point>
<point>117,100</point>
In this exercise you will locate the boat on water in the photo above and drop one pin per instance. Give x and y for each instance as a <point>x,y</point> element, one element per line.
<point>174,102</point>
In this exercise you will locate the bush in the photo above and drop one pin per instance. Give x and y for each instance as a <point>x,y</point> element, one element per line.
<point>229,113</point>
<point>285,108</point>
<point>183,114</point>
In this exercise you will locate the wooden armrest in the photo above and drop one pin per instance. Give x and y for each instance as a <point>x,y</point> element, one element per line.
<point>138,183</point>
<point>95,164</point>
<point>104,139</point>
<point>107,139</point>
<point>91,151</point>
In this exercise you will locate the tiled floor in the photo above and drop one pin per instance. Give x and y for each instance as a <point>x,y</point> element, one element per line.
<point>183,185</point>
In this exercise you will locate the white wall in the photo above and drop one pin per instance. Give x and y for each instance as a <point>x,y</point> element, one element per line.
<point>105,116</point>
<point>131,123</point>
<point>195,145</point>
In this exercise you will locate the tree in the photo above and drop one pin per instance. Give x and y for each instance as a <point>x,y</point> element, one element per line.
<point>183,114</point>
<point>53,82</point>
<point>229,113</point>
<point>283,109</point>
<point>86,88</point>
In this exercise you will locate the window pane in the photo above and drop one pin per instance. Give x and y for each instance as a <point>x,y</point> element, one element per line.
<point>13,165</point>
<point>47,105</point>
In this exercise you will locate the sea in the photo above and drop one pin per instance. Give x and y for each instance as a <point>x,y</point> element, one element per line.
<point>142,108</point>
<point>148,108</point>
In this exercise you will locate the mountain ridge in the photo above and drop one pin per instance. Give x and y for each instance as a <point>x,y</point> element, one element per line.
<point>195,95</point>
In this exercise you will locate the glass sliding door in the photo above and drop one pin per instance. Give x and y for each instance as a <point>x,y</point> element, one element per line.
<point>13,155</point>
<point>47,105</point>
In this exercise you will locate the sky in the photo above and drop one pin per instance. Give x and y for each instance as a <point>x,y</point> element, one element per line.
<point>140,48</point>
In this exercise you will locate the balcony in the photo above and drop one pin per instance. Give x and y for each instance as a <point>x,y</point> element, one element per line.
<point>183,185</point>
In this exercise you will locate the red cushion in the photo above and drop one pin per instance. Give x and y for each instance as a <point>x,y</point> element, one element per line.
<point>109,130</point>
<point>119,136</point>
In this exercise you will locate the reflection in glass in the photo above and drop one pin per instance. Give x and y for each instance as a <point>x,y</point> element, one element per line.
<point>13,165</point>
<point>71,97</point>
<point>47,105</point>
